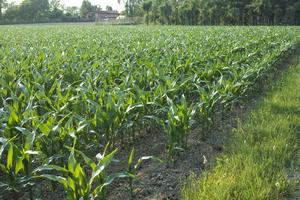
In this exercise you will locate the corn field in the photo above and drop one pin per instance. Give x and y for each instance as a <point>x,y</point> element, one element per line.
<point>71,97</point>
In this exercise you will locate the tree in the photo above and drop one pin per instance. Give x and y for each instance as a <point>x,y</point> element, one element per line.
<point>147,7</point>
<point>72,11</point>
<point>54,5</point>
<point>86,7</point>
<point>186,12</point>
<point>2,5</point>
<point>34,9</point>
<point>11,12</point>
<point>166,13</point>
<point>109,8</point>
<point>55,9</point>
<point>133,7</point>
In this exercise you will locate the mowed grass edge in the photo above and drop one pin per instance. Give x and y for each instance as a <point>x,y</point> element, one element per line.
<point>262,149</point>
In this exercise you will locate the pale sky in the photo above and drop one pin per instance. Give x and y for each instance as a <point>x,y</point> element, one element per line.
<point>103,3</point>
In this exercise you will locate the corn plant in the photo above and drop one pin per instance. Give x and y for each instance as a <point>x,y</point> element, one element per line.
<point>178,124</point>
<point>75,179</point>
<point>117,84</point>
<point>18,167</point>
<point>133,167</point>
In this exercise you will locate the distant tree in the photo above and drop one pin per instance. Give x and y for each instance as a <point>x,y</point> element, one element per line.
<point>86,7</point>
<point>123,12</point>
<point>133,7</point>
<point>55,9</point>
<point>109,8</point>
<point>11,12</point>
<point>2,5</point>
<point>42,8</point>
<point>147,7</point>
<point>72,11</point>
<point>186,12</point>
<point>54,5</point>
<point>166,13</point>
<point>34,9</point>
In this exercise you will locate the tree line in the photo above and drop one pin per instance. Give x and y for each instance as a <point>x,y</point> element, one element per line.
<point>46,10</point>
<point>180,12</point>
<point>216,12</point>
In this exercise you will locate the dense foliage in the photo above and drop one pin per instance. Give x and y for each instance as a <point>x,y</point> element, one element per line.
<point>184,12</point>
<point>32,11</point>
<point>72,91</point>
<point>218,12</point>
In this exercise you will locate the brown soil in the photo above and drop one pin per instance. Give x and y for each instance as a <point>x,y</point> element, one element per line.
<point>162,181</point>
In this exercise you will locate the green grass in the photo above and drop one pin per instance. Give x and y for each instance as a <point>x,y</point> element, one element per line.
<point>261,151</point>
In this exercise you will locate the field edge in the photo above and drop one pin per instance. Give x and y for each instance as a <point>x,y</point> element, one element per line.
<point>258,163</point>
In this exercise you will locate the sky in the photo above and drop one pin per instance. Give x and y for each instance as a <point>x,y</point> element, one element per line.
<point>103,3</point>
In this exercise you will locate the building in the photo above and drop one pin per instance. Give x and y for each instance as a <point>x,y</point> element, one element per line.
<point>103,15</point>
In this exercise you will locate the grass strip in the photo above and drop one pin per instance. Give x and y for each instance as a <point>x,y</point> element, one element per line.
<point>261,152</point>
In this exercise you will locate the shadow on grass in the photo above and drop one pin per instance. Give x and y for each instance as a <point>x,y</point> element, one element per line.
<point>286,110</point>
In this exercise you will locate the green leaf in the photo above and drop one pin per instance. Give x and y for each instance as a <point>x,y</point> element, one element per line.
<point>3,184</point>
<point>3,169</point>
<point>3,147</point>
<point>80,128</point>
<point>130,160</point>
<point>108,181</point>
<point>29,141</point>
<point>19,164</point>
<point>50,167</point>
<point>147,158</point>
<point>72,162</point>
<point>59,179</point>
<point>9,186</point>
<point>130,108</point>
<point>6,142</point>
<point>13,117</point>
<point>24,131</point>
<point>10,156</point>
<point>87,160</point>
<point>30,152</point>
<point>44,129</point>
<point>102,165</point>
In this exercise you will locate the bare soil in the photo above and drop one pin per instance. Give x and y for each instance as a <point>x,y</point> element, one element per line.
<point>162,181</point>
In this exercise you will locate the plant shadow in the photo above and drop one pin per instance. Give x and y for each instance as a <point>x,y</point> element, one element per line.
<point>278,109</point>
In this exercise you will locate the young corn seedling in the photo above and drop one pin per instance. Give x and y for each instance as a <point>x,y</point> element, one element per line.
<point>75,179</point>
<point>206,107</point>
<point>18,167</point>
<point>178,124</point>
<point>132,168</point>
